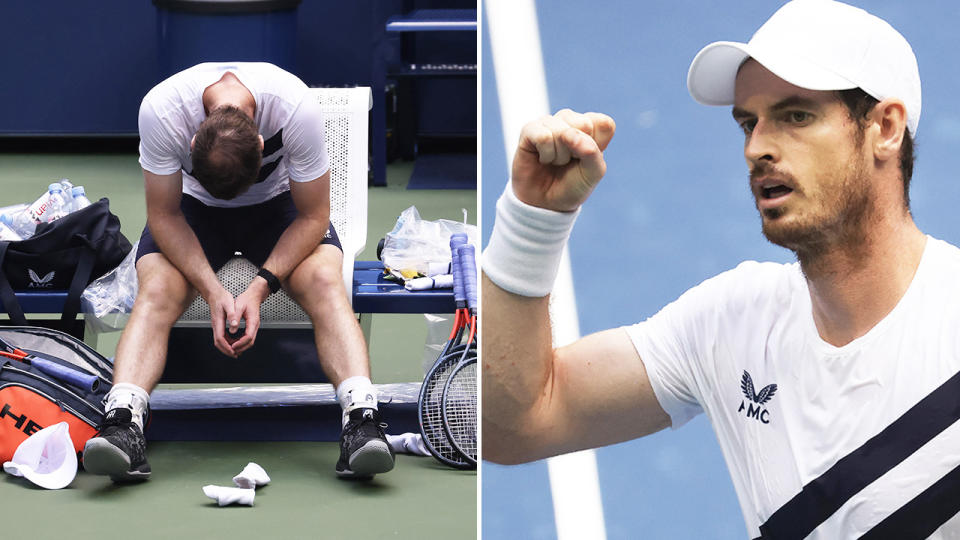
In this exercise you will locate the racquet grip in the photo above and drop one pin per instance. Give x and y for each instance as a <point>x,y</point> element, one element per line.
<point>468,267</point>
<point>79,379</point>
<point>457,240</point>
<point>459,293</point>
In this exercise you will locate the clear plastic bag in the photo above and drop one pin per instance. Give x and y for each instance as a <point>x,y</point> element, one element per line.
<point>422,246</point>
<point>108,300</point>
<point>438,332</point>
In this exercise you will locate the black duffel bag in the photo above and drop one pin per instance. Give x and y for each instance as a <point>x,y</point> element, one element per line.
<point>67,254</point>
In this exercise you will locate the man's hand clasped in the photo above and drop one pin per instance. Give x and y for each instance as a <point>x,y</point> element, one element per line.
<point>226,312</point>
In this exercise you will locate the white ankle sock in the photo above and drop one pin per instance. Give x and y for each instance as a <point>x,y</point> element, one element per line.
<point>130,396</point>
<point>354,393</point>
<point>408,443</point>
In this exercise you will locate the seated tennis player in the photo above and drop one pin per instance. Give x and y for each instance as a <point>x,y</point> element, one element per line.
<point>833,384</point>
<point>234,159</point>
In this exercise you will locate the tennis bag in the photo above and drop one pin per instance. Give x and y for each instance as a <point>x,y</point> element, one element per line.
<point>66,254</point>
<point>32,399</point>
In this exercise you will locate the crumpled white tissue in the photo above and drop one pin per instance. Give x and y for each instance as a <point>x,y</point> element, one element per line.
<point>251,477</point>
<point>229,495</point>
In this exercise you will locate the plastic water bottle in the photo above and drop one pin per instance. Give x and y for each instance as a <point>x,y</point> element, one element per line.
<point>67,187</point>
<point>57,205</point>
<point>6,230</point>
<point>80,200</point>
<point>13,209</point>
<point>38,209</point>
<point>22,223</point>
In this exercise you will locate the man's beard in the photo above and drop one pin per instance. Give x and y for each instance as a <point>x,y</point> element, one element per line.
<point>840,221</point>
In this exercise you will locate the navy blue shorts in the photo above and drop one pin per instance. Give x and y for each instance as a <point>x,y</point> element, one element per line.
<point>252,230</point>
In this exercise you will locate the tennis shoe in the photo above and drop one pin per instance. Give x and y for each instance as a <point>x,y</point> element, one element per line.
<point>118,450</point>
<point>364,451</point>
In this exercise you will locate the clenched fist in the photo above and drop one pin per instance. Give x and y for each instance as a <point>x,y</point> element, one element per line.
<point>560,159</point>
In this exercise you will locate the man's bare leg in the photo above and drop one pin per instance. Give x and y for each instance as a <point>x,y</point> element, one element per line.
<point>317,285</point>
<point>119,449</point>
<point>162,297</point>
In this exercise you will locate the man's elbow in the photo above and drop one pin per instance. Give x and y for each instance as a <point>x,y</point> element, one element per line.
<point>315,220</point>
<point>506,448</point>
<point>163,224</point>
<point>501,456</point>
<point>504,458</point>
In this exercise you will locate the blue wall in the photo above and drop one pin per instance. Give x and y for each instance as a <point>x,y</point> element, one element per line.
<point>75,66</point>
<point>83,67</point>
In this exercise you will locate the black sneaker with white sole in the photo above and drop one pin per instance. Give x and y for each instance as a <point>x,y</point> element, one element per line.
<point>364,451</point>
<point>119,450</point>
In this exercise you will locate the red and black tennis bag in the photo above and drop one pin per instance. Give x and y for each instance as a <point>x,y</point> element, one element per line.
<point>32,399</point>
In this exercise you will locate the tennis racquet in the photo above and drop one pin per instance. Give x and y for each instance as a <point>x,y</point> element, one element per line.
<point>458,403</point>
<point>75,377</point>
<point>459,408</point>
<point>429,403</point>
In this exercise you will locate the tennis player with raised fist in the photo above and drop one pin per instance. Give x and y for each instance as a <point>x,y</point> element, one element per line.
<point>833,383</point>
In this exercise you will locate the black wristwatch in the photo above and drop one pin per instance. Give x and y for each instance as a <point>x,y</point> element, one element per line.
<point>271,279</point>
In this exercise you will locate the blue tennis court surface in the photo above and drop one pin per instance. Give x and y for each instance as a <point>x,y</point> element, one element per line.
<point>674,209</point>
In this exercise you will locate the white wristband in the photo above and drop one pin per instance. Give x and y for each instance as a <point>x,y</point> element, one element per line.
<point>524,251</point>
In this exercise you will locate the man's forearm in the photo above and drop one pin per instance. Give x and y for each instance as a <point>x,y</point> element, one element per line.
<point>295,244</point>
<point>517,369</point>
<point>180,246</point>
<point>540,402</point>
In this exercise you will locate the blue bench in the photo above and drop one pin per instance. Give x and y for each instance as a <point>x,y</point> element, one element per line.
<point>310,414</point>
<point>374,294</point>
<point>371,294</point>
<point>284,353</point>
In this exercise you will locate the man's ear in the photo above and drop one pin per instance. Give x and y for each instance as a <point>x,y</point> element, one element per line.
<point>192,140</point>
<point>890,116</point>
<point>261,142</point>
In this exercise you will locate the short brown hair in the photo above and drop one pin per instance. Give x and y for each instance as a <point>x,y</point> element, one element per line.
<point>859,104</point>
<point>226,153</point>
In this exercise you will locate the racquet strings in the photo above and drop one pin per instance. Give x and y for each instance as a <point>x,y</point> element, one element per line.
<point>460,409</point>
<point>432,410</point>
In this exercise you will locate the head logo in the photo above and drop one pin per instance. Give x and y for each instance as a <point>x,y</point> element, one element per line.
<point>765,395</point>
<point>37,282</point>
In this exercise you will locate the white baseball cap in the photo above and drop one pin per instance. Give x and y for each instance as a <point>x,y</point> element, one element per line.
<point>817,45</point>
<point>47,458</point>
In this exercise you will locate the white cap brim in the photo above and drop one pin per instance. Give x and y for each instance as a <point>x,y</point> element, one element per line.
<point>47,458</point>
<point>713,72</point>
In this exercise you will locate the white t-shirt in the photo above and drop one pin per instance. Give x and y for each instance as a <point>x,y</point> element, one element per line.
<point>291,125</point>
<point>836,423</point>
